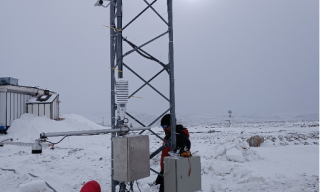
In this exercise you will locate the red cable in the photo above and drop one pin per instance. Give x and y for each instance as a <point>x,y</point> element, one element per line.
<point>189,167</point>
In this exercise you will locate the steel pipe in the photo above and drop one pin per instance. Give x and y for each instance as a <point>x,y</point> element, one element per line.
<point>91,132</point>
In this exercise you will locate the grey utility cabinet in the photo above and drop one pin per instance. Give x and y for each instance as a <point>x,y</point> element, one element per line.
<point>131,159</point>
<point>176,174</point>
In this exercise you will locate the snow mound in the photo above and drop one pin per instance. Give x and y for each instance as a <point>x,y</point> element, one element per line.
<point>77,122</point>
<point>28,127</point>
<point>17,182</point>
<point>34,186</point>
<point>221,169</point>
<point>232,149</point>
<point>235,155</point>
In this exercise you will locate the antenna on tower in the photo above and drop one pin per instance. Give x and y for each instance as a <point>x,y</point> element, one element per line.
<point>229,120</point>
<point>229,113</point>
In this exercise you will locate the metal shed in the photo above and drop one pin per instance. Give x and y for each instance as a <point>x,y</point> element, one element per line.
<point>45,105</point>
<point>16,100</point>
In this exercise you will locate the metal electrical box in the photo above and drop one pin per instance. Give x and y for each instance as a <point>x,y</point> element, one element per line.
<point>131,159</point>
<point>182,174</point>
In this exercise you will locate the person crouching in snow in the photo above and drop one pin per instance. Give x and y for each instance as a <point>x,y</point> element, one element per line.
<point>182,142</point>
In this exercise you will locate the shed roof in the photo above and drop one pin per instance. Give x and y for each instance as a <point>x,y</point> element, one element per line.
<point>23,89</point>
<point>50,100</point>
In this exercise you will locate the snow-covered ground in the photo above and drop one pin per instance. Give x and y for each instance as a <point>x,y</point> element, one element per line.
<point>288,160</point>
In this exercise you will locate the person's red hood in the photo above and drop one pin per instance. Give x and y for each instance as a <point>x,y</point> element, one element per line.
<point>185,131</point>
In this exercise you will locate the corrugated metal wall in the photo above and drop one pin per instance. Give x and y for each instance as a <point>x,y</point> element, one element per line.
<point>47,110</point>
<point>3,109</point>
<point>50,110</point>
<point>55,111</point>
<point>12,106</point>
<point>40,109</point>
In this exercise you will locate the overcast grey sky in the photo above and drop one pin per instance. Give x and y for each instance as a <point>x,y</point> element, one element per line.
<point>249,56</point>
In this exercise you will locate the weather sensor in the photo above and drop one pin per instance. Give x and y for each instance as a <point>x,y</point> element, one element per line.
<point>122,95</point>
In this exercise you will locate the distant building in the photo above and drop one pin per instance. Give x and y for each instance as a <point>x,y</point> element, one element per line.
<point>16,100</point>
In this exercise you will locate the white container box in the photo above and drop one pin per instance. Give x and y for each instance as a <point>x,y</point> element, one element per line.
<point>176,174</point>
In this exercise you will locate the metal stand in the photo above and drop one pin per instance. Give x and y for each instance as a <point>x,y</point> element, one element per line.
<point>116,61</point>
<point>229,120</point>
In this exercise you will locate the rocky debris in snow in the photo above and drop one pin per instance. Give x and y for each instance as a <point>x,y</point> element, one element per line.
<point>21,153</point>
<point>289,137</point>
<point>283,143</point>
<point>280,137</point>
<point>255,141</point>
<point>73,151</point>
<point>302,136</point>
<point>296,138</point>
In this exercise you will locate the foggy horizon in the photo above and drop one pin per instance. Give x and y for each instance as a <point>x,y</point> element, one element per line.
<point>249,56</point>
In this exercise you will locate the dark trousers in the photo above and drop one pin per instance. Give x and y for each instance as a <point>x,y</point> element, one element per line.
<point>160,181</point>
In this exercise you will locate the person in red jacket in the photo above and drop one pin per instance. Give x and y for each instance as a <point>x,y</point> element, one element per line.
<point>183,144</point>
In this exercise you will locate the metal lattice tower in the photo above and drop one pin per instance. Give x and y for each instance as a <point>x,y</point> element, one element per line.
<point>116,61</point>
